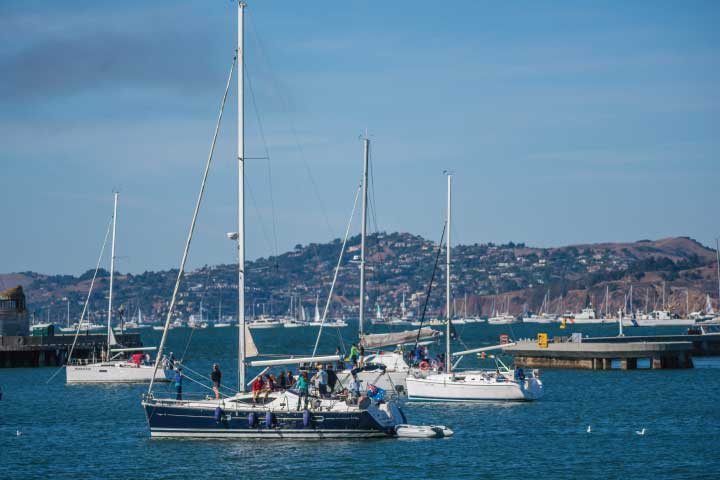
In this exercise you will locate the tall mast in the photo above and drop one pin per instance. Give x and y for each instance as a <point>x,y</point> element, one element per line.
<point>366,155</point>
<point>241,201</point>
<point>112,274</point>
<point>448,358</point>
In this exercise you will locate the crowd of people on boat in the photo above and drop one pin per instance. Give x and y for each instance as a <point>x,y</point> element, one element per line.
<point>320,379</point>
<point>418,357</point>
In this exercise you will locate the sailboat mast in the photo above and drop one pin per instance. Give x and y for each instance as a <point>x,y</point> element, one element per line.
<point>448,358</point>
<point>366,155</point>
<point>241,200</point>
<point>112,274</point>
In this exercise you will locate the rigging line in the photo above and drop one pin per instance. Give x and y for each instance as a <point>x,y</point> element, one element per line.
<point>337,270</point>
<point>267,155</point>
<point>204,377</point>
<point>432,278</point>
<point>187,345</point>
<point>87,301</point>
<point>373,203</point>
<point>186,250</point>
<point>296,137</point>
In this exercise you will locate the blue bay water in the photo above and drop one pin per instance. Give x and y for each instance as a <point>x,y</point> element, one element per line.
<point>100,431</point>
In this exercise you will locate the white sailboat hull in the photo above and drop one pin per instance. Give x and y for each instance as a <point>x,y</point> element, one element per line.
<point>673,322</point>
<point>114,372</point>
<point>446,388</point>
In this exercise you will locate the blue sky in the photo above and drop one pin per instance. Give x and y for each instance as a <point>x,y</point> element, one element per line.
<point>564,122</point>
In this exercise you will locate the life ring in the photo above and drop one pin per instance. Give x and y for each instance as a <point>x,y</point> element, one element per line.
<point>424,366</point>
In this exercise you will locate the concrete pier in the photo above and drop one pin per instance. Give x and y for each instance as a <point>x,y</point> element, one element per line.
<point>597,355</point>
<point>49,351</point>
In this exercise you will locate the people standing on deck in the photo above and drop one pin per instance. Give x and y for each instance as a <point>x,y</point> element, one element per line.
<point>332,378</point>
<point>303,388</point>
<point>178,383</point>
<point>362,356</point>
<point>257,386</point>
<point>340,365</point>
<point>354,388</point>
<point>354,355</point>
<point>282,381</point>
<point>290,379</point>
<point>216,376</point>
<point>321,377</point>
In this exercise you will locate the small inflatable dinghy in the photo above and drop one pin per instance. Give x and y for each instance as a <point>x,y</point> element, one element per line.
<point>422,431</point>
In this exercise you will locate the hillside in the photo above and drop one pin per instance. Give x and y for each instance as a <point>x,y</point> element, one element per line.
<point>401,262</point>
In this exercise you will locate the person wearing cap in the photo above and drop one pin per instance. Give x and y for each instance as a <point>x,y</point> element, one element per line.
<point>322,380</point>
<point>216,376</point>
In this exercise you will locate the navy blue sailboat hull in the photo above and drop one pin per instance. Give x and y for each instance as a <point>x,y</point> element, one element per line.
<point>166,420</point>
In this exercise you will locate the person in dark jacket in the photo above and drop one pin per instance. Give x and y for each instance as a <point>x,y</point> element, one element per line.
<point>282,381</point>
<point>332,378</point>
<point>340,365</point>
<point>178,383</point>
<point>216,376</point>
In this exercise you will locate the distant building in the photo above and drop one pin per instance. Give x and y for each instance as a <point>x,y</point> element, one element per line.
<point>13,315</point>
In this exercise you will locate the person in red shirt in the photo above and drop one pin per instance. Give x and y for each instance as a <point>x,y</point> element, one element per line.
<point>257,387</point>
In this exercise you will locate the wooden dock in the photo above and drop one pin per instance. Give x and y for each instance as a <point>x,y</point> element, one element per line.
<point>48,351</point>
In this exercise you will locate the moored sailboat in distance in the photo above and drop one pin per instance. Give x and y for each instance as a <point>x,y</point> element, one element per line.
<point>289,413</point>
<point>112,368</point>
<point>505,318</point>
<point>544,316</point>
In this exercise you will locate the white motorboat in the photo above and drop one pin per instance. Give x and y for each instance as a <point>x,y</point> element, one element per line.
<point>264,321</point>
<point>542,318</point>
<point>85,327</point>
<point>587,315</point>
<point>220,325</point>
<point>475,385</point>
<point>502,319</point>
<point>423,431</point>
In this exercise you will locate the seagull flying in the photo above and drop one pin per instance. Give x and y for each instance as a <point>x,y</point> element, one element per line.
<point>640,432</point>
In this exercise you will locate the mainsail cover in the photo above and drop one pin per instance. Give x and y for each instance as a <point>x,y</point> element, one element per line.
<point>397,338</point>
